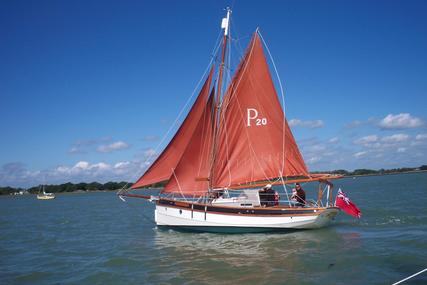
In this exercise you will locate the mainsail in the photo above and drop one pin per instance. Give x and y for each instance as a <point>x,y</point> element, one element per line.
<point>161,169</point>
<point>254,142</point>
<point>249,141</point>
<point>192,171</point>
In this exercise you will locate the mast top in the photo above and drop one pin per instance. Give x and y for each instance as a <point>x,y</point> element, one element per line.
<point>225,22</point>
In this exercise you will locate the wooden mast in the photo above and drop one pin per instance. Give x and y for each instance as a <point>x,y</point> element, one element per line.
<point>217,103</point>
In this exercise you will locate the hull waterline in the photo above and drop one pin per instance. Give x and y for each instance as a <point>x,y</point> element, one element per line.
<point>47,197</point>
<point>222,219</point>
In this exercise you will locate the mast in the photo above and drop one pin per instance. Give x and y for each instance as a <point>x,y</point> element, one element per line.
<point>225,25</point>
<point>217,103</point>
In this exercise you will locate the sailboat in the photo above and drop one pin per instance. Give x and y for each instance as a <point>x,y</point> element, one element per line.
<point>42,195</point>
<point>228,149</point>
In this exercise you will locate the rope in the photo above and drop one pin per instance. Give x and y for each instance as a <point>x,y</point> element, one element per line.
<point>213,53</point>
<point>286,191</point>
<point>407,278</point>
<point>148,218</point>
<point>179,186</point>
<point>253,154</point>
<point>185,105</point>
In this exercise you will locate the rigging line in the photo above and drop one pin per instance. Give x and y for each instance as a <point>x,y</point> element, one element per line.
<point>221,114</point>
<point>231,95</point>
<point>283,102</point>
<point>218,100</point>
<point>243,52</point>
<point>217,43</point>
<point>409,277</point>
<point>228,68</point>
<point>254,82</point>
<point>140,213</point>
<point>215,50</point>
<point>205,143</point>
<point>246,131</point>
<point>177,182</point>
<point>237,39</point>
<point>286,191</point>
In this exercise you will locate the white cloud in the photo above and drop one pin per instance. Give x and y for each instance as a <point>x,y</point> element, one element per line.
<point>358,123</point>
<point>397,138</point>
<point>401,149</point>
<point>81,165</point>
<point>421,137</point>
<point>83,146</point>
<point>360,154</point>
<point>400,121</point>
<point>375,144</point>
<point>122,164</point>
<point>315,148</point>
<point>314,159</point>
<point>100,166</point>
<point>76,150</point>
<point>354,124</point>
<point>119,145</point>
<point>306,124</point>
<point>149,152</point>
<point>334,140</point>
<point>367,140</point>
<point>17,175</point>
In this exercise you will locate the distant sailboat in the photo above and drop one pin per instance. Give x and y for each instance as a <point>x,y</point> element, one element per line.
<point>42,195</point>
<point>227,148</point>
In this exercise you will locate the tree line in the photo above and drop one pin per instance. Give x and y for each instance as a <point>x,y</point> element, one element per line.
<point>364,171</point>
<point>68,187</point>
<point>111,186</point>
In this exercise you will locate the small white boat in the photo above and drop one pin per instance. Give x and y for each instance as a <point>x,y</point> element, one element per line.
<point>45,196</point>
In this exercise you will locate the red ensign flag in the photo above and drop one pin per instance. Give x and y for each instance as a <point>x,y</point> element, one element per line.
<point>344,203</point>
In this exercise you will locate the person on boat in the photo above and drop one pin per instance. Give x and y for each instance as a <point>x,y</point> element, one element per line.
<point>266,196</point>
<point>276,198</point>
<point>298,195</point>
<point>294,196</point>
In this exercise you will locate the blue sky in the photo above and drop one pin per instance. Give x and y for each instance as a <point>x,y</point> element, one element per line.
<point>89,88</point>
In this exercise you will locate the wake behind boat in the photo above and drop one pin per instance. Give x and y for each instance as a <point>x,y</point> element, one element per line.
<point>228,153</point>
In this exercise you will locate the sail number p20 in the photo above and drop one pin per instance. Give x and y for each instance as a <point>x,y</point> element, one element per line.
<point>252,114</point>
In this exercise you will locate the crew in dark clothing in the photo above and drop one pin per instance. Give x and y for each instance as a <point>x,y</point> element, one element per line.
<point>299,196</point>
<point>266,196</point>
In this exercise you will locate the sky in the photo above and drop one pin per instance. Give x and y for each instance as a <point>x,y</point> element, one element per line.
<point>89,89</point>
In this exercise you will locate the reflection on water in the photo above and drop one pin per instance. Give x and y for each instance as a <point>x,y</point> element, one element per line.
<point>200,256</point>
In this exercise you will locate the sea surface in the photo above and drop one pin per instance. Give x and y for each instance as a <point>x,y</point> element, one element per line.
<point>95,238</point>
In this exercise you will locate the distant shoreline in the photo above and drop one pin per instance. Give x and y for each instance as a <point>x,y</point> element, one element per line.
<point>116,186</point>
<point>383,174</point>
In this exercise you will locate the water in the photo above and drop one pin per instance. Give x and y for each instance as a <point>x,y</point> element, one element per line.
<point>94,238</point>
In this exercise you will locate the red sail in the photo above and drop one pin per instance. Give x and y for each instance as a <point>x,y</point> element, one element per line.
<point>192,171</point>
<point>161,169</point>
<point>254,141</point>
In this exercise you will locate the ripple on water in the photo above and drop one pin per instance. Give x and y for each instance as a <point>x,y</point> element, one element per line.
<point>94,238</point>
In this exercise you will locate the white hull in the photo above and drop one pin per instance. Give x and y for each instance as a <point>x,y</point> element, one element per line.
<point>178,217</point>
<point>45,197</point>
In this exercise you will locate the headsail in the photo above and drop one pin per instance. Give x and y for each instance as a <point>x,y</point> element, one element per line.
<point>161,169</point>
<point>192,171</point>
<point>254,141</point>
